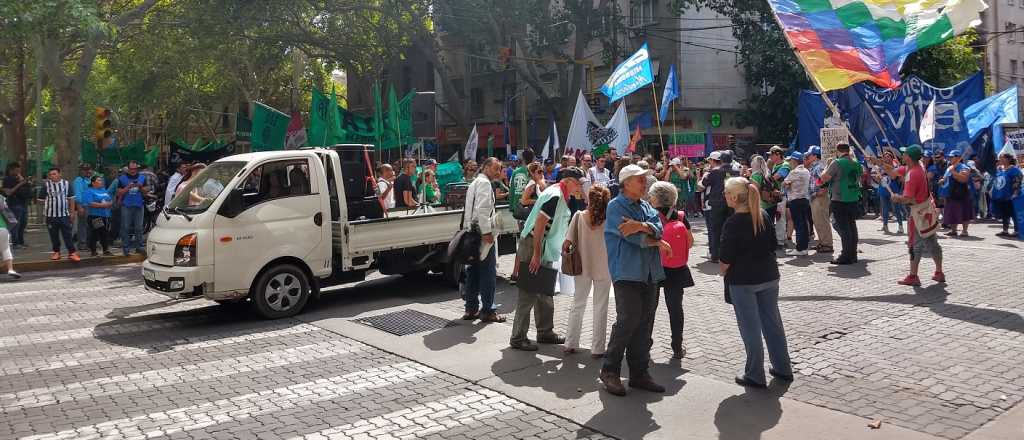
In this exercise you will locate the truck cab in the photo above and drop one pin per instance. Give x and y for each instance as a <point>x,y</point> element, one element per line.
<point>275,227</point>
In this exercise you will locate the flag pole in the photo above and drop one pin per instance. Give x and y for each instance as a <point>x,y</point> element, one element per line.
<point>654,99</point>
<point>818,86</point>
<point>674,130</point>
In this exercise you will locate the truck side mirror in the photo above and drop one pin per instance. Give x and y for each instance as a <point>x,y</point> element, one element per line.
<point>233,204</point>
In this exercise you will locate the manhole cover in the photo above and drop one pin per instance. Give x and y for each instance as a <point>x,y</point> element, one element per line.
<point>406,322</point>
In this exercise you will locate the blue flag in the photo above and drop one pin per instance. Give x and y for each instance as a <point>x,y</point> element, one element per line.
<point>630,76</point>
<point>991,112</point>
<point>709,143</point>
<point>671,93</point>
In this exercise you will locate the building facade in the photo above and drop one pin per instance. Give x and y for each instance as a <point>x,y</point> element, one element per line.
<point>1002,31</point>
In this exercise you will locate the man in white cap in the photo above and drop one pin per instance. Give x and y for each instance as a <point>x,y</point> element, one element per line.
<point>632,235</point>
<point>714,182</point>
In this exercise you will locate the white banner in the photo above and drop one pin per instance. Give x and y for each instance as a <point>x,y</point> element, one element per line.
<point>618,130</point>
<point>582,118</point>
<point>830,138</point>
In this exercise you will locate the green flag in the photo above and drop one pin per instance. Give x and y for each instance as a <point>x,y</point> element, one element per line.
<point>269,128</point>
<point>152,157</point>
<point>324,121</point>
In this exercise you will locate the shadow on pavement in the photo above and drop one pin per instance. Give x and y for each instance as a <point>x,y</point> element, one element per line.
<point>463,332</point>
<point>934,297</point>
<point>746,416</point>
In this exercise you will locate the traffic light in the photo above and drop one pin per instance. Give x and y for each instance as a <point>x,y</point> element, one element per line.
<point>504,53</point>
<point>104,128</point>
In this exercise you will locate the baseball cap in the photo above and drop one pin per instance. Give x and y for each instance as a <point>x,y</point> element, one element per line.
<point>715,155</point>
<point>676,161</point>
<point>796,155</point>
<point>570,172</point>
<point>776,149</point>
<point>914,151</point>
<point>954,153</point>
<point>632,171</point>
<point>815,150</point>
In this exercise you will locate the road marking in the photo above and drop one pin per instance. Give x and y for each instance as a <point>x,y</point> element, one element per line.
<point>430,418</point>
<point>114,328</point>
<point>38,397</point>
<point>29,364</point>
<point>246,406</point>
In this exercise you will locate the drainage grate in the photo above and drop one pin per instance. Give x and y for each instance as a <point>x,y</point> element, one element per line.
<point>406,322</point>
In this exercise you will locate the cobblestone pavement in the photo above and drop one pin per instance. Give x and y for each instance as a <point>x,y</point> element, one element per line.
<point>88,356</point>
<point>940,359</point>
<point>92,356</point>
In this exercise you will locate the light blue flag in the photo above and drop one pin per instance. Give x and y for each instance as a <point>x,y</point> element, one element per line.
<point>630,76</point>
<point>991,112</point>
<point>671,93</point>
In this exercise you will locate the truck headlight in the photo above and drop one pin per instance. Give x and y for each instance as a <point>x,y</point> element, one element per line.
<point>185,251</point>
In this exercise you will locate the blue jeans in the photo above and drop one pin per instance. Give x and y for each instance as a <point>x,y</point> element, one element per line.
<point>18,233</point>
<point>757,314</point>
<point>131,226</point>
<point>60,227</point>
<point>886,205</point>
<point>478,292</point>
<point>800,209</point>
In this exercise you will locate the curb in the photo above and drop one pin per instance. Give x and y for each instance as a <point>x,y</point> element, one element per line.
<point>64,264</point>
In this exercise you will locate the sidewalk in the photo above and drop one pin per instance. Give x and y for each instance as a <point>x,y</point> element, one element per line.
<point>36,257</point>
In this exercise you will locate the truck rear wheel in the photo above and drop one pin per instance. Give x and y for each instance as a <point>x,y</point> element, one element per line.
<point>281,291</point>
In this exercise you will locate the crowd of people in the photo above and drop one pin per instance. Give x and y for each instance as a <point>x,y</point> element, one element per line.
<point>94,211</point>
<point>624,222</point>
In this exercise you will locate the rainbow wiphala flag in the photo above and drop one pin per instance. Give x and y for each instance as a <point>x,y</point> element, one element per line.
<point>843,42</point>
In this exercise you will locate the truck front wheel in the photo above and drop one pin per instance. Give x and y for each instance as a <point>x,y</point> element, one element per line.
<point>281,291</point>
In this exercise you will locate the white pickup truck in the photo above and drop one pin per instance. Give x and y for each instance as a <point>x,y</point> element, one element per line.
<point>276,227</point>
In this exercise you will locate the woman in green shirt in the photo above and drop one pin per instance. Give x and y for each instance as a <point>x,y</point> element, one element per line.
<point>429,191</point>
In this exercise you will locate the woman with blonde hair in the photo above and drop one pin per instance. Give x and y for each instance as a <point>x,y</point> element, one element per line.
<point>752,283</point>
<point>586,235</point>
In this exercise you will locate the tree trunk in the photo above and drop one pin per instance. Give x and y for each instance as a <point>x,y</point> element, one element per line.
<point>16,138</point>
<point>69,128</point>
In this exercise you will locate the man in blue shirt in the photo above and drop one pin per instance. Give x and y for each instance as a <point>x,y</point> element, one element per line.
<point>79,185</point>
<point>130,188</point>
<point>632,234</point>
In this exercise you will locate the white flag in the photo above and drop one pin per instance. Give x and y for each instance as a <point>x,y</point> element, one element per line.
<point>552,145</point>
<point>617,131</point>
<point>472,145</point>
<point>927,131</point>
<point>583,123</point>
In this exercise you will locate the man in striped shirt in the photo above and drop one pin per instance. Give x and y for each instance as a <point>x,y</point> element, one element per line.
<point>60,211</point>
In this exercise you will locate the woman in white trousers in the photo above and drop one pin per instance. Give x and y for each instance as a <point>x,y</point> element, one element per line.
<point>586,234</point>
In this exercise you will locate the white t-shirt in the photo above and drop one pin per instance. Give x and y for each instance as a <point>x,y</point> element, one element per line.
<point>382,186</point>
<point>600,176</point>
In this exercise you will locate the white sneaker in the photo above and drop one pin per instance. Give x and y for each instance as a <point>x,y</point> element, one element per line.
<point>14,275</point>
<point>797,253</point>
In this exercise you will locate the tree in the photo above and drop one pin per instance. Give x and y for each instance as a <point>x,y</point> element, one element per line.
<point>68,35</point>
<point>538,32</point>
<point>946,64</point>
<point>16,97</point>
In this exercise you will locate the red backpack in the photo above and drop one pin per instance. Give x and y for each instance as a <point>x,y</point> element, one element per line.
<point>678,237</point>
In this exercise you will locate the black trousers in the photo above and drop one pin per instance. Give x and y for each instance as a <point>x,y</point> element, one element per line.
<point>718,216</point>
<point>100,234</point>
<point>635,304</point>
<point>844,216</point>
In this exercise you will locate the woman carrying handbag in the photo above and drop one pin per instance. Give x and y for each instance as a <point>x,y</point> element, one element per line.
<point>584,249</point>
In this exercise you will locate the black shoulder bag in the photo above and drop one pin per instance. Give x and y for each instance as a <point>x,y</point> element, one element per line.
<point>465,245</point>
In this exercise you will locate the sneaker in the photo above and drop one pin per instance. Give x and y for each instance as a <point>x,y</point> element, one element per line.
<point>74,257</point>
<point>13,275</point>
<point>796,253</point>
<point>55,256</point>
<point>1003,234</point>
<point>551,339</point>
<point>910,280</point>
<point>939,277</point>
<point>951,233</point>
<point>108,254</point>
<point>524,346</point>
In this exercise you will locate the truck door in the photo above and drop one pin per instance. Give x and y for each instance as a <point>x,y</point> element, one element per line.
<point>282,216</point>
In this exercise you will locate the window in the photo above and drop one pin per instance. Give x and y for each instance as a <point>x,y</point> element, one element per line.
<point>1011,30</point>
<point>1013,68</point>
<point>276,180</point>
<point>202,190</point>
<point>476,102</point>
<point>1009,2</point>
<point>641,12</point>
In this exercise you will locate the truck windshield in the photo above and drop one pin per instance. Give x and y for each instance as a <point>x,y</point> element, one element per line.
<point>199,192</point>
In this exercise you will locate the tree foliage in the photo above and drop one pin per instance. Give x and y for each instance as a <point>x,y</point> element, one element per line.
<point>948,63</point>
